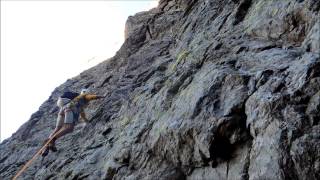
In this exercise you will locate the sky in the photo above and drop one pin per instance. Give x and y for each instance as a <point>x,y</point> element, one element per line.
<point>44,43</point>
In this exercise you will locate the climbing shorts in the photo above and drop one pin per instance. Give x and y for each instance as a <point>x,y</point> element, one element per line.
<point>68,116</point>
<point>60,118</point>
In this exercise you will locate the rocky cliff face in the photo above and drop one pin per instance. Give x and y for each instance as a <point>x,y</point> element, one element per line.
<point>201,89</point>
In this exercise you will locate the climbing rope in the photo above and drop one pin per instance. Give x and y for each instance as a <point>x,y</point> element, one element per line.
<point>37,154</point>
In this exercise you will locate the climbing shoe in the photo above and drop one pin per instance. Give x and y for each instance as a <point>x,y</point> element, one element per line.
<point>52,147</point>
<point>45,152</point>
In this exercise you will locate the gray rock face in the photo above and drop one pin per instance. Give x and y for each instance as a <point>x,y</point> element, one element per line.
<point>201,89</point>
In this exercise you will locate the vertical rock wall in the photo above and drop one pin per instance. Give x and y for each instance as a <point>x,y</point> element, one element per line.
<point>201,89</point>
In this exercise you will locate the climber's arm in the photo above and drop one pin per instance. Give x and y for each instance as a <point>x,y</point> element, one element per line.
<point>90,97</point>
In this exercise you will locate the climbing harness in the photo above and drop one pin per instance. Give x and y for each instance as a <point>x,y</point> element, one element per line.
<point>37,154</point>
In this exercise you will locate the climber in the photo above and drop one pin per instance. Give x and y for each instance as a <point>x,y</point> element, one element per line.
<point>71,107</point>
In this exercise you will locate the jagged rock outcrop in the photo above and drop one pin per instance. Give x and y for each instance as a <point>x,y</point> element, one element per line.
<point>201,89</point>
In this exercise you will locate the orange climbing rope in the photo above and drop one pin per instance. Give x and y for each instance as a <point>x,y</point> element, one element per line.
<point>34,157</point>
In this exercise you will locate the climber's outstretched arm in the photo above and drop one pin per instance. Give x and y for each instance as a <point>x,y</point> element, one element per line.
<point>90,97</point>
